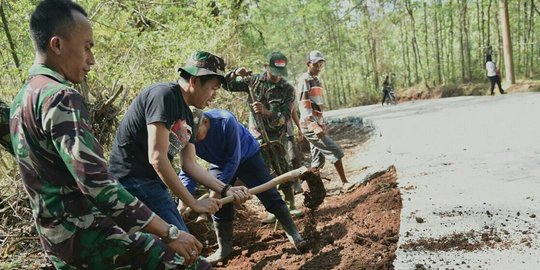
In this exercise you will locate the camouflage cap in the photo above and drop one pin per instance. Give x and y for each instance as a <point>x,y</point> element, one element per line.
<point>277,63</point>
<point>202,63</point>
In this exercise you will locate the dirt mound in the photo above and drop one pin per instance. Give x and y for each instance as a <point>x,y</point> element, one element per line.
<point>355,230</point>
<point>469,241</point>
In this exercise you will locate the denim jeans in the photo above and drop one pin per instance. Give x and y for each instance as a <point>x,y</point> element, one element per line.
<point>252,172</point>
<point>153,193</point>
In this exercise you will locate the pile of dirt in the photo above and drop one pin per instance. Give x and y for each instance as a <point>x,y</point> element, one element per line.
<point>472,240</point>
<point>354,230</point>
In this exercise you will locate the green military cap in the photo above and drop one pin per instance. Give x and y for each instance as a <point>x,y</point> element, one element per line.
<point>202,63</point>
<point>277,63</point>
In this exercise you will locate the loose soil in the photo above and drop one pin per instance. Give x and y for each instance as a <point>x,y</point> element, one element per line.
<point>354,230</point>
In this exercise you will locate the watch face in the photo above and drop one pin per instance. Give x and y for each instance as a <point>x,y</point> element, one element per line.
<point>174,232</point>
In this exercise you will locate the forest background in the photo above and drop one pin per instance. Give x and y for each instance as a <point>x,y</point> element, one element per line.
<point>431,43</point>
<point>424,44</point>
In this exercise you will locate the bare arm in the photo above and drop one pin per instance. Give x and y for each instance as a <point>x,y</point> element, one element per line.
<point>192,168</point>
<point>158,145</point>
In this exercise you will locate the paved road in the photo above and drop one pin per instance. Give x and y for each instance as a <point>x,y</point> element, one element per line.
<point>465,165</point>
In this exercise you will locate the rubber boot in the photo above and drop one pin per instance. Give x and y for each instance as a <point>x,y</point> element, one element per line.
<point>288,195</point>
<point>284,217</point>
<point>224,235</point>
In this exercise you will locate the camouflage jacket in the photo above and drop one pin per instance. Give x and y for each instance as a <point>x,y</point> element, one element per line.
<point>5,140</point>
<point>277,98</point>
<point>64,172</point>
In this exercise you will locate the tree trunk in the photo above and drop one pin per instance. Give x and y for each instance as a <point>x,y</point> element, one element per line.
<point>531,40</point>
<point>499,51</point>
<point>404,47</point>
<point>437,48</point>
<point>507,43</point>
<point>414,43</point>
<point>426,56</point>
<point>480,40</point>
<point>466,24</point>
<point>450,54</point>
<point>489,24</point>
<point>462,42</point>
<point>10,40</point>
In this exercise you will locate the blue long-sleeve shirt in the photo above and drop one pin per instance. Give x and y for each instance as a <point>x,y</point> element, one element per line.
<point>227,144</point>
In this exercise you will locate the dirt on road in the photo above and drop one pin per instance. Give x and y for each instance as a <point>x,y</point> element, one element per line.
<point>358,229</point>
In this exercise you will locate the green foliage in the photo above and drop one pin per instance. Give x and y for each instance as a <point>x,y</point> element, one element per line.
<point>141,42</point>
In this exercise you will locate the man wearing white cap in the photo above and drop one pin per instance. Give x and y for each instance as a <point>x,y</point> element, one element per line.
<point>310,97</point>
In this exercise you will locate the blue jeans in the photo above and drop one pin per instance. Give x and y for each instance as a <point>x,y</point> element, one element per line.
<point>252,172</point>
<point>153,193</point>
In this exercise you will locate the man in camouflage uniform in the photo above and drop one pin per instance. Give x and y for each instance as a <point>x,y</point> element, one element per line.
<point>5,141</point>
<point>272,104</point>
<point>84,218</point>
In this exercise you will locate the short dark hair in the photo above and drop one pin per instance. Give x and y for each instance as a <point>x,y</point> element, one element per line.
<point>488,58</point>
<point>204,78</point>
<point>52,18</point>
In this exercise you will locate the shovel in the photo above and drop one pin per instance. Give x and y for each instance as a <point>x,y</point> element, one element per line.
<point>312,199</point>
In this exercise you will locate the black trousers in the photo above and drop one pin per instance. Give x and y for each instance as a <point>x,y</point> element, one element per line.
<point>386,94</point>
<point>495,80</point>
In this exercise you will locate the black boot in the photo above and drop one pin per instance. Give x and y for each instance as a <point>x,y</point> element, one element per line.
<point>284,217</point>
<point>224,235</point>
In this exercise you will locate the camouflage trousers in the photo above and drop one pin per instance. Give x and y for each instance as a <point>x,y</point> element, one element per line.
<point>104,245</point>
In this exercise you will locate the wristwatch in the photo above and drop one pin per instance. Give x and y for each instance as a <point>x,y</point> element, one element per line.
<point>224,190</point>
<point>172,234</point>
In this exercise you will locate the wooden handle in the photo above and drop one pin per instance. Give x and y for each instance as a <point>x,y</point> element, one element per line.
<point>189,209</point>
<point>286,177</point>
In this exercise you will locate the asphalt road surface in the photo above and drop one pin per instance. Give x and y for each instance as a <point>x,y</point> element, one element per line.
<point>469,173</point>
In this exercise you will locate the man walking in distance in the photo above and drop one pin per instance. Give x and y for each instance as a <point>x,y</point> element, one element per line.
<point>493,76</point>
<point>310,98</point>
<point>233,152</point>
<point>84,218</point>
<point>274,100</point>
<point>141,154</point>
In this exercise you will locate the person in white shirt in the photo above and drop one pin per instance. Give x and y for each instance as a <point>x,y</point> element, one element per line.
<point>493,75</point>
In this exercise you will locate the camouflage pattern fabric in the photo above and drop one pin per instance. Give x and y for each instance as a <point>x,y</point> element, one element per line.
<point>85,219</point>
<point>277,98</point>
<point>5,140</point>
<point>202,63</point>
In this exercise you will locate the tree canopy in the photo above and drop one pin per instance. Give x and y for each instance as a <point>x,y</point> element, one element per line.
<point>139,42</point>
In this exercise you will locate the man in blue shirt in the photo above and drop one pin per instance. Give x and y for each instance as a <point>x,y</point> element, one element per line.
<point>233,152</point>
